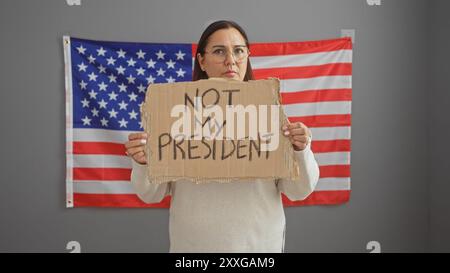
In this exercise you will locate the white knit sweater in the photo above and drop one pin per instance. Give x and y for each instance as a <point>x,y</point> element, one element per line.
<point>228,217</point>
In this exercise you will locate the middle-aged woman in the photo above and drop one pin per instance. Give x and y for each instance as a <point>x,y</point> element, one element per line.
<point>227,217</point>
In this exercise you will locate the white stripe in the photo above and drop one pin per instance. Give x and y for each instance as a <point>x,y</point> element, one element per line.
<point>316,83</point>
<point>69,121</point>
<point>317,108</point>
<point>96,187</point>
<point>125,187</point>
<point>330,133</point>
<point>307,59</point>
<point>101,161</point>
<point>112,161</point>
<point>333,184</point>
<point>335,158</point>
<point>101,135</point>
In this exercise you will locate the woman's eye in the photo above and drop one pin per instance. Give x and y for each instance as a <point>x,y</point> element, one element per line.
<point>218,51</point>
<point>239,50</point>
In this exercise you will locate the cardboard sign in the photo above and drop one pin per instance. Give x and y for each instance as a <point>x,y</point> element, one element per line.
<point>216,130</point>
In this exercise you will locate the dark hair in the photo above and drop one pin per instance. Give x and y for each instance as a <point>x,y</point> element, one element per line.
<point>198,74</point>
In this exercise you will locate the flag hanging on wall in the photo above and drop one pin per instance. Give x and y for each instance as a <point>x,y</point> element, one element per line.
<point>106,82</point>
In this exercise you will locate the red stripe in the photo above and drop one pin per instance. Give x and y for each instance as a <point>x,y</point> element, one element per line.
<point>115,200</point>
<point>301,72</point>
<point>324,120</point>
<point>320,198</point>
<point>83,147</point>
<point>344,94</point>
<point>133,201</point>
<point>102,174</point>
<point>334,171</point>
<point>194,50</point>
<point>270,49</point>
<point>327,146</point>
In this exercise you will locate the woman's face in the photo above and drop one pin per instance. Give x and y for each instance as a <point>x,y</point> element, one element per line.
<point>225,55</point>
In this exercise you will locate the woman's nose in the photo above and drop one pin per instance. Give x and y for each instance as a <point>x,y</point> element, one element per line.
<point>229,59</point>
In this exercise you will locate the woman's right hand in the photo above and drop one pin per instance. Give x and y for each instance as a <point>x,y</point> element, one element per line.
<point>135,147</point>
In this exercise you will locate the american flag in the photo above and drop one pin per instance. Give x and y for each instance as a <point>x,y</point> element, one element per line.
<point>106,84</point>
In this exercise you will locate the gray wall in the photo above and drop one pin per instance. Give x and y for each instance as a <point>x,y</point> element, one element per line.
<point>399,197</point>
<point>439,127</point>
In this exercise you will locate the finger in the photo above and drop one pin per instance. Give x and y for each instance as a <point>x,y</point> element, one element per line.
<point>291,140</point>
<point>292,126</point>
<point>301,138</point>
<point>135,150</point>
<point>141,158</point>
<point>139,154</point>
<point>295,125</point>
<point>142,161</point>
<point>285,125</point>
<point>298,131</point>
<point>135,143</point>
<point>134,136</point>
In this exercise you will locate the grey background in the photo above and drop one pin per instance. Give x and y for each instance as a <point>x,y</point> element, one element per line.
<point>399,126</point>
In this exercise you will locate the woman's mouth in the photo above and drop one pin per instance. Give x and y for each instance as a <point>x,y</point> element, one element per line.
<point>230,73</point>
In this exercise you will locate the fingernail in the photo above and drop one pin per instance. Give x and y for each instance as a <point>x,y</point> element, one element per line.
<point>286,133</point>
<point>143,141</point>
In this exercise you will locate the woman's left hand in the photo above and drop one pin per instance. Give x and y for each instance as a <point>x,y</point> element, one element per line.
<point>298,133</point>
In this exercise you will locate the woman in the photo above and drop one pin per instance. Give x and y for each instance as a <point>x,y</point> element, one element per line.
<point>227,217</point>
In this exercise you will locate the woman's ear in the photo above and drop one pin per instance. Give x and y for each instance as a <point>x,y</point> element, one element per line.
<point>200,59</point>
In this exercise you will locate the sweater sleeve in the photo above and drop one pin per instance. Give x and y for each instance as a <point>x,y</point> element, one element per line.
<point>309,175</point>
<point>147,191</point>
